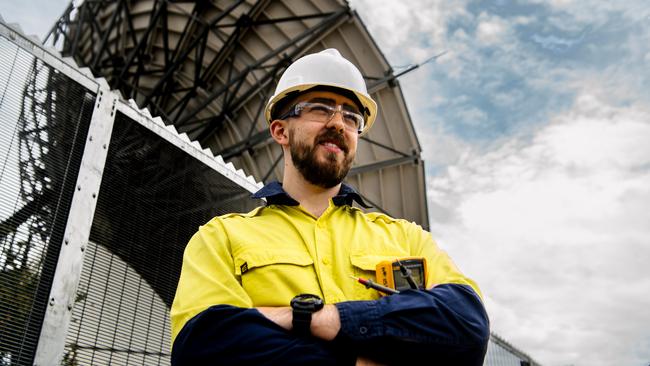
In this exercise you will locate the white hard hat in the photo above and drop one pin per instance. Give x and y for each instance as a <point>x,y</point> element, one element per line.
<point>325,69</point>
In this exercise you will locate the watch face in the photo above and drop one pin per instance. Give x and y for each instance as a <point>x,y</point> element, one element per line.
<point>307,302</point>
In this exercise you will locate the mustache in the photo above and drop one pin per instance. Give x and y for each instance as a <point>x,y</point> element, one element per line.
<point>332,136</point>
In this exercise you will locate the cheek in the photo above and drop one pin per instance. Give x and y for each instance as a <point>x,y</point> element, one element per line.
<point>302,133</point>
<point>352,143</point>
<point>294,135</point>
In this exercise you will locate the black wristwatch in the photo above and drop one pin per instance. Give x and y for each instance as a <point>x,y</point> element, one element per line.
<point>303,306</point>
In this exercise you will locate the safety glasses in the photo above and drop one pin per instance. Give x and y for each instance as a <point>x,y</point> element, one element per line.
<point>323,113</point>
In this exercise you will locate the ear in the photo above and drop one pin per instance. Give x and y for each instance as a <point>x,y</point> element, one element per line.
<point>280,131</point>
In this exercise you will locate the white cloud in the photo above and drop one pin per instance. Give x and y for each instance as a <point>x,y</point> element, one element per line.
<point>393,30</point>
<point>593,12</point>
<point>395,23</point>
<point>491,30</point>
<point>555,229</point>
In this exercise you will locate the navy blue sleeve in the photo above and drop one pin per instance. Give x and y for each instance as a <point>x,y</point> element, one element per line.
<point>227,335</point>
<point>447,325</point>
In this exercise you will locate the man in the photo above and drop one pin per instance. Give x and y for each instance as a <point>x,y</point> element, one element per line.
<point>241,272</point>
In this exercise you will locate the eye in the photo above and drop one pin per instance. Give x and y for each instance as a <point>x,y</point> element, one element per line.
<point>351,119</point>
<point>319,108</point>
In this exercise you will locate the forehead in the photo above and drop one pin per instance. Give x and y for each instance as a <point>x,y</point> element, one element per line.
<point>323,96</point>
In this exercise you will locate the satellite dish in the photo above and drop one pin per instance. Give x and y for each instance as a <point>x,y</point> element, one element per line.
<point>208,68</point>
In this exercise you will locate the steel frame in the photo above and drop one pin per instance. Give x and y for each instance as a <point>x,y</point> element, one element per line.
<point>124,72</point>
<point>163,89</point>
<point>204,102</point>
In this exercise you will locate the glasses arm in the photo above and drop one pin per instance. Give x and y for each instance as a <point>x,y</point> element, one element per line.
<point>293,112</point>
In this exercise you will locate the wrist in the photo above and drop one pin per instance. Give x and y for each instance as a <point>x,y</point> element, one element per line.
<point>279,315</point>
<point>303,308</point>
<point>326,323</point>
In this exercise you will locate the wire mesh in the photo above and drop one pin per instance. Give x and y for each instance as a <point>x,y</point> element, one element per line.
<point>44,119</point>
<point>501,353</point>
<point>152,199</point>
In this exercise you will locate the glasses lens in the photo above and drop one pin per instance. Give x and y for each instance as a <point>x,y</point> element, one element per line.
<point>352,120</point>
<point>317,112</point>
<point>323,113</point>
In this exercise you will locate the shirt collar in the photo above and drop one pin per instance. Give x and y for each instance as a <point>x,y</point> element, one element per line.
<point>275,195</point>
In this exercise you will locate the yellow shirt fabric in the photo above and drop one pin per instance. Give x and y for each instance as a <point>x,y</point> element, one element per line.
<point>269,255</point>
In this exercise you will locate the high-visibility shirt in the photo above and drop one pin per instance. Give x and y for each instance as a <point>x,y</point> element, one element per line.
<point>269,255</point>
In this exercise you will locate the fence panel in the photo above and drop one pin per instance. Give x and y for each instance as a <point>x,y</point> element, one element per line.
<point>44,120</point>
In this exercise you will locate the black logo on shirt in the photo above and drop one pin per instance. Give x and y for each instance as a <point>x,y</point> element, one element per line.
<point>244,268</point>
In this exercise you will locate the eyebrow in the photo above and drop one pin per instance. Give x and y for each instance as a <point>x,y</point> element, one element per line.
<point>346,106</point>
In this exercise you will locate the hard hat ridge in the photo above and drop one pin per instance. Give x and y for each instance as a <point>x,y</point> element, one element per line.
<point>323,69</point>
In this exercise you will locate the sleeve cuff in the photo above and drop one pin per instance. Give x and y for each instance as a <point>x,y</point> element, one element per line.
<point>360,320</point>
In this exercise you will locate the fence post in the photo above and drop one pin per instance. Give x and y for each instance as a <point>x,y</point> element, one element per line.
<point>68,270</point>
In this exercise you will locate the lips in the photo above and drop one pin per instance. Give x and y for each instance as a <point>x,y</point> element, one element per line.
<point>332,140</point>
<point>329,144</point>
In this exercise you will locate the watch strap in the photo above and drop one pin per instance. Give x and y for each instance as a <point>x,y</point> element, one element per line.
<point>301,322</point>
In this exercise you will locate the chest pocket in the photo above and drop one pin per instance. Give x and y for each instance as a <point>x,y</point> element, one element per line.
<point>365,266</point>
<point>272,277</point>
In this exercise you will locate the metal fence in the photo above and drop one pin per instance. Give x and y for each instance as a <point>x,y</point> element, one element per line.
<point>502,353</point>
<point>44,119</point>
<point>97,202</point>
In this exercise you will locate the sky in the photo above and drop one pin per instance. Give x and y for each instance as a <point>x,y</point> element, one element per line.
<point>535,127</point>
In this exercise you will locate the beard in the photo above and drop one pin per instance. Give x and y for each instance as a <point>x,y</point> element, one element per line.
<point>325,174</point>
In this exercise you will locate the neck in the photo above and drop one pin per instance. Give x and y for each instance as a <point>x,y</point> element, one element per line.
<point>312,198</point>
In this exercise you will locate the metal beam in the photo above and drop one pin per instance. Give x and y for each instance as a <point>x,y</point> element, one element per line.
<point>382,164</point>
<point>11,224</point>
<point>268,173</point>
<point>309,34</point>
<point>238,148</point>
<point>369,140</point>
<point>281,20</point>
<point>390,78</point>
<point>233,40</point>
<point>56,30</point>
<point>75,41</point>
<point>107,32</point>
<point>183,57</point>
<point>373,204</point>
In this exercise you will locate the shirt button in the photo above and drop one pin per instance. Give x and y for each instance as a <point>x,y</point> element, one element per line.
<point>325,261</point>
<point>363,330</point>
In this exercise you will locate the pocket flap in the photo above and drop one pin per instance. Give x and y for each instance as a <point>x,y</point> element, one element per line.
<point>264,257</point>
<point>369,262</point>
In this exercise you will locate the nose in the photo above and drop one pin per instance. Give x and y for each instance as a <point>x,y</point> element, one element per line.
<point>336,122</point>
